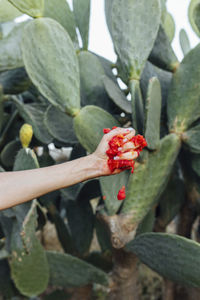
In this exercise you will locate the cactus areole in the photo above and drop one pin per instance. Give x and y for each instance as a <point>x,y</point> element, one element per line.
<point>115,150</point>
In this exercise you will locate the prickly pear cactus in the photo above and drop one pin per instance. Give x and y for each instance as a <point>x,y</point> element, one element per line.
<point>54,90</point>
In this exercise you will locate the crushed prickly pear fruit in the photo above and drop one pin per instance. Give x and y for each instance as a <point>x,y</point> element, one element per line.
<point>122,193</point>
<point>115,146</point>
<point>114,153</point>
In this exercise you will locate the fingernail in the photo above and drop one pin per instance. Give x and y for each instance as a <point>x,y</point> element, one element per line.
<point>130,128</point>
<point>116,158</point>
<point>125,140</point>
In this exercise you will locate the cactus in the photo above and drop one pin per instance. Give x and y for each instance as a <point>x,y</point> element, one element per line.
<point>68,95</point>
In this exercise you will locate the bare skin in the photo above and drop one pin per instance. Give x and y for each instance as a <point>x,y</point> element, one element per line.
<point>22,186</point>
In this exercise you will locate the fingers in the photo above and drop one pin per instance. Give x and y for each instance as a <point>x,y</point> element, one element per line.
<point>129,135</point>
<point>129,132</point>
<point>130,155</point>
<point>116,131</point>
<point>127,146</point>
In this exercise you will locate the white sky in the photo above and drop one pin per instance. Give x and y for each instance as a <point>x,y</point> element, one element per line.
<point>100,41</point>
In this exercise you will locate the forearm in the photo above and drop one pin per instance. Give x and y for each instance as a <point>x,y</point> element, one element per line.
<point>21,186</point>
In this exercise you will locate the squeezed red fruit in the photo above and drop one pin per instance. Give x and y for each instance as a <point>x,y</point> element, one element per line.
<point>118,142</point>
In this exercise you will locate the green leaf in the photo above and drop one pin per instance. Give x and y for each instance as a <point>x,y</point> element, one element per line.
<point>192,139</point>
<point>9,152</point>
<point>115,93</point>
<point>59,125</point>
<point>184,42</point>
<point>33,8</point>
<point>92,88</point>
<point>169,26</point>
<point>33,114</point>
<point>110,186</point>
<point>29,266</point>
<point>10,51</point>
<point>181,112</point>
<point>25,160</point>
<point>50,60</point>
<point>192,15</point>
<point>7,11</point>
<point>162,54</point>
<point>89,125</point>
<point>69,271</point>
<point>62,14</point>
<point>15,81</point>
<point>150,178</point>
<point>153,112</point>
<point>172,256</point>
<point>134,27</point>
<point>81,10</point>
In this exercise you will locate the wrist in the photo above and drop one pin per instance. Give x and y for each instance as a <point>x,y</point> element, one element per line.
<point>97,165</point>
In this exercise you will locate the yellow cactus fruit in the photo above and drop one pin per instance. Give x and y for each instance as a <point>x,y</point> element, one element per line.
<point>25,134</point>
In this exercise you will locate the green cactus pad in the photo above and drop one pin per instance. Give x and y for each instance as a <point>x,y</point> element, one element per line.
<point>50,60</point>
<point>89,125</point>
<point>171,199</point>
<point>10,52</point>
<point>194,4</point>
<point>110,186</point>
<point>15,81</point>
<point>172,256</point>
<point>196,163</point>
<point>134,28</point>
<point>81,224</point>
<point>184,42</point>
<point>153,112</point>
<point>108,12</point>
<point>70,271</point>
<point>4,254</point>
<point>169,26</point>
<point>29,266</point>
<point>92,88</point>
<point>81,10</point>
<point>25,160</point>
<point>197,16</point>
<point>184,100</point>
<point>62,14</point>
<point>32,8</point>
<point>8,12</point>
<point>150,178</point>
<point>115,93</point>
<point>59,125</point>
<point>33,114</point>
<point>162,54</point>
<point>192,139</point>
<point>147,223</point>
<point>9,152</point>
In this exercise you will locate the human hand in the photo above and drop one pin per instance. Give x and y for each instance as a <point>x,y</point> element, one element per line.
<point>126,151</point>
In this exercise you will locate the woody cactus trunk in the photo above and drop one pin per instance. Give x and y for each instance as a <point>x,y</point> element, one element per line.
<point>67,94</point>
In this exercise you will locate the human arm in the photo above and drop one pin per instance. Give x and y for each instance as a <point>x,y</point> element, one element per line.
<point>20,186</point>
